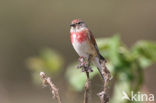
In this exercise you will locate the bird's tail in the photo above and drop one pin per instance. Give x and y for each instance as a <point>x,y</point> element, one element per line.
<point>97,63</point>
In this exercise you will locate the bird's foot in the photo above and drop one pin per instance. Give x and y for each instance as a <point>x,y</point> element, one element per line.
<point>84,65</point>
<point>81,62</point>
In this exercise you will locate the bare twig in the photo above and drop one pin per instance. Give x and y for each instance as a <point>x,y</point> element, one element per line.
<point>87,85</point>
<point>103,95</point>
<point>85,66</point>
<point>54,90</point>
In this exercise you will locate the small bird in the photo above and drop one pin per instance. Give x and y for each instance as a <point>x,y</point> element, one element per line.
<point>84,43</point>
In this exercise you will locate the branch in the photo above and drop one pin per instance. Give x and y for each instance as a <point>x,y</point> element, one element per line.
<point>85,66</point>
<point>87,85</point>
<point>54,90</point>
<point>103,95</point>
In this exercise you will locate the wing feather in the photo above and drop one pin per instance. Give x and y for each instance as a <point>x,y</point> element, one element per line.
<point>92,40</point>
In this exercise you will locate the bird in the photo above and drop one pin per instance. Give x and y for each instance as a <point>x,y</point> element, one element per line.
<point>85,44</point>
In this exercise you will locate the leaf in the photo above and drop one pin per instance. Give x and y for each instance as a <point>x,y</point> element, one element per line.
<point>145,52</point>
<point>119,88</point>
<point>53,61</point>
<point>48,61</point>
<point>110,48</point>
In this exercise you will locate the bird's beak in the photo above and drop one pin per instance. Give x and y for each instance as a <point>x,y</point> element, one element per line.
<point>72,25</point>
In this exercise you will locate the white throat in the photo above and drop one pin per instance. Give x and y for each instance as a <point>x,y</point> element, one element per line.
<point>72,29</point>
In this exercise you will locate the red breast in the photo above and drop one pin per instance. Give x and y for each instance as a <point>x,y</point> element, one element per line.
<point>78,36</point>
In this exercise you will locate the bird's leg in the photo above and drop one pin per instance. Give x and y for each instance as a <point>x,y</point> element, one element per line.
<point>81,62</point>
<point>88,67</point>
<point>85,64</point>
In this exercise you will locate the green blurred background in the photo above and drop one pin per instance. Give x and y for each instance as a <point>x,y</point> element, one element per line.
<point>29,26</point>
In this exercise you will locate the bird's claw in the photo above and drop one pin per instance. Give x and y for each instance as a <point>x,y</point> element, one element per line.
<point>84,65</point>
<point>82,62</point>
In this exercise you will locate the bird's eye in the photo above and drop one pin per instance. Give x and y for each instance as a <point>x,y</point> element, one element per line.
<point>79,22</point>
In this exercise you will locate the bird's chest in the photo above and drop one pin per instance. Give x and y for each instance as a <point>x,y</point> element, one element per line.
<point>80,43</point>
<point>78,37</point>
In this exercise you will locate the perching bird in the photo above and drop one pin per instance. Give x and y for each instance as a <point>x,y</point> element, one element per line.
<point>84,43</point>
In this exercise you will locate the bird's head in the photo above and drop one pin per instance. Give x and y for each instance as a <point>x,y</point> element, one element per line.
<point>77,25</point>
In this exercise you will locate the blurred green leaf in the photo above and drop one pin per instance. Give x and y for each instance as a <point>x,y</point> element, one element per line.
<point>53,61</point>
<point>109,48</point>
<point>145,52</point>
<point>119,88</point>
<point>48,61</point>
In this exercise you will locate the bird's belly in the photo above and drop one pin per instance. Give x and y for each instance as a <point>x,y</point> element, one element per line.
<point>82,48</point>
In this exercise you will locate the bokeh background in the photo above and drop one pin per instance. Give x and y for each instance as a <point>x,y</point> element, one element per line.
<point>28,26</point>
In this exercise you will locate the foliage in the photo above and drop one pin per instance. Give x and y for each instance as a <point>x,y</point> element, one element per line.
<point>47,61</point>
<point>126,65</point>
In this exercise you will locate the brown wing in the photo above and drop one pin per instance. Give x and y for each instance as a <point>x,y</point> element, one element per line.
<point>93,41</point>
<point>93,44</point>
